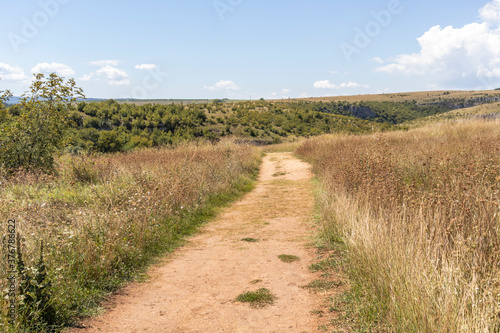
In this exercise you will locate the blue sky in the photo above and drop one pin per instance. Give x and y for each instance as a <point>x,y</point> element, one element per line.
<point>243,48</point>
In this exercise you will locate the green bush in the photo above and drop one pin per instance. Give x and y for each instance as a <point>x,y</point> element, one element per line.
<point>30,140</point>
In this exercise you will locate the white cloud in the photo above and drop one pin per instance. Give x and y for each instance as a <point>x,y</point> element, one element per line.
<point>379,60</point>
<point>46,68</point>
<point>491,13</point>
<point>460,56</point>
<point>12,73</point>
<point>334,72</point>
<point>103,63</point>
<point>326,84</point>
<point>145,66</point>
<point>284,93</point>
<point>223,85</point>
<point>108,73</point>
<point>87,77</point>
<point>113,76</point>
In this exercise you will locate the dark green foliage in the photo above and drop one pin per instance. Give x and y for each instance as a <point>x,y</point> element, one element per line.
<point>36,312</point>
<point>382,112</point>
<point>110,126</point>
<point>249,240</point>
<point>4,96</point>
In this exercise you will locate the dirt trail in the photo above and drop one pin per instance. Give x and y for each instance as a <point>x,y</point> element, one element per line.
<point>195,288</point>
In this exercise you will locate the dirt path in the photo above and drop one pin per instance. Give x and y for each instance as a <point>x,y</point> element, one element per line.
<point>195,289</point>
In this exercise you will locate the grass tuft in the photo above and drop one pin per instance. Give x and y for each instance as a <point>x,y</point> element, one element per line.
<point>257,299</point>
<point>322,285</point>
<point>249,240</point>
<point>288,258</point>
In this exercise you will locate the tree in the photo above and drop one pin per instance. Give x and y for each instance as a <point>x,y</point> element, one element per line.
<point>4,97</point>
<point>109,142</point>
<point>30,140</point>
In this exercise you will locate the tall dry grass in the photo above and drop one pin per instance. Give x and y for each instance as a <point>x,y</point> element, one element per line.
<point>103,219</point>
<point>418,215</point>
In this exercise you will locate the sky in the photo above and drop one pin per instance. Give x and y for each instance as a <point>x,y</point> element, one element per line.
<point>241,49</point>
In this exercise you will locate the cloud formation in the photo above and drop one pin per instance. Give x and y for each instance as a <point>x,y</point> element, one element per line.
<point>145,66</point>
<point>491,13</point>
<point>103,63</point>
<point>46,68</point>
<point>326,84</point>
<point>12,73</point>
<point>464,56</point>
<point>108,73</point>
<point>223,85</point>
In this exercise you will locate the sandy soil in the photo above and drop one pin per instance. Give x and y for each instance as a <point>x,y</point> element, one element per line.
<point>194,289</point>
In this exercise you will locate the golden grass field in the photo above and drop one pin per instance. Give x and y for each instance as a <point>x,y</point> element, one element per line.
<point>417,215</point>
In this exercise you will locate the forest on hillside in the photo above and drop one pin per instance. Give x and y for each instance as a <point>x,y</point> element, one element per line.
<point>111,126</point>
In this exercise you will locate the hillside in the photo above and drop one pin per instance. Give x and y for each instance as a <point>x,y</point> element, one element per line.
<point>486,111</point>
<point>420,97</point>
<point>112,126</point>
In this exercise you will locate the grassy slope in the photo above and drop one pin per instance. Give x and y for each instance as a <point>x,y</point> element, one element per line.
<point>492,109</point>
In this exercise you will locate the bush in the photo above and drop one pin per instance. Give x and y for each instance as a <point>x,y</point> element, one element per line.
<point>30,140</point>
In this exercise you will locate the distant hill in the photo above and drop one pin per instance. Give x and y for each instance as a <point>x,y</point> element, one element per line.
<point>486,111</point>
<point>16,99</point>
<point>13,100</point>
<point>421,97</point>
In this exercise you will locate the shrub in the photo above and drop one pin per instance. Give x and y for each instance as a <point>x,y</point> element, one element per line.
<point>30,140</point>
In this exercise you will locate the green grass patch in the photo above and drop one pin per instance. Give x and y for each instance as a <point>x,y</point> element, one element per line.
<point>249,240</point>
<point>288,258</point>
<point>257,299</point>
<point>324,265</point>
<point>322,285</point>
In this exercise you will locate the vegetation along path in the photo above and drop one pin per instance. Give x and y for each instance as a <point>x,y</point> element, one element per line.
<point>195,289</point>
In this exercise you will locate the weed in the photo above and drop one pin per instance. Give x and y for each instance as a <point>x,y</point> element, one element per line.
<point>324,265</point>
<point>322,285</point>
<point>249,240</point>
<point>257,299</point>
<point>288,258</point>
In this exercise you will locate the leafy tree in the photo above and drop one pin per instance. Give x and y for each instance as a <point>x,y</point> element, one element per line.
<point>4,97</point>
<point>30,140</point>
<point>109,142</point>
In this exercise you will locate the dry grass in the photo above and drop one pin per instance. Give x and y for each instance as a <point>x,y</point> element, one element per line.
<point>420,96</point>
<point>283,147</point>
<point>103,219</point>
<point>418,213</point>
<point>486,111</point>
